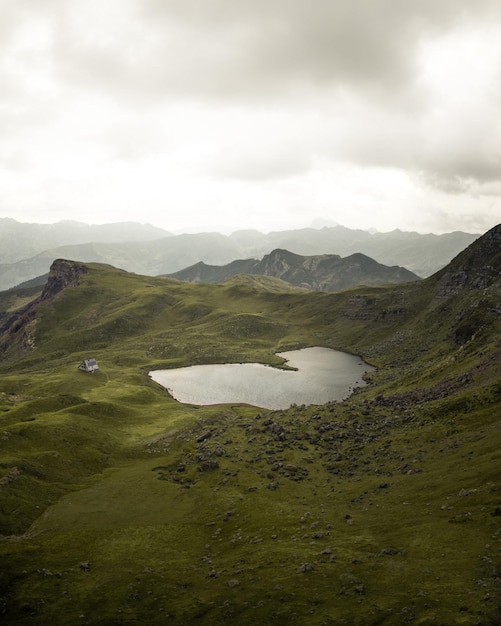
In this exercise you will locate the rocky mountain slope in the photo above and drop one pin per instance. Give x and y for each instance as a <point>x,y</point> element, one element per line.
<point>325,272</point>
<point>120,505</point>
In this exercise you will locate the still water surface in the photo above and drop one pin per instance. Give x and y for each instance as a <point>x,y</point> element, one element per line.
<point>322,375</point>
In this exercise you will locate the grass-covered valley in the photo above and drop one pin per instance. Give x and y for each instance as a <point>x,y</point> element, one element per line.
<point>119,505</point>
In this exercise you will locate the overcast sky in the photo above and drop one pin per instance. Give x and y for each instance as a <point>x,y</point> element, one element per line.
<point>199,115</point>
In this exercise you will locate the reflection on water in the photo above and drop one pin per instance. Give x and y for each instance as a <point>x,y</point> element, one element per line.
<point>322,375</point>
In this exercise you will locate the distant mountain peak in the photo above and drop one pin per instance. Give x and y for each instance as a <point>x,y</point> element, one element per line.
<point>324,272</point>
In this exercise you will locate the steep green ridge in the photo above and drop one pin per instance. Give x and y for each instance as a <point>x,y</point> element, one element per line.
<point>119,505</point>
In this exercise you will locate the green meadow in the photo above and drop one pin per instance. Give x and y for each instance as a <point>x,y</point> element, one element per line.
<point>119,505</point>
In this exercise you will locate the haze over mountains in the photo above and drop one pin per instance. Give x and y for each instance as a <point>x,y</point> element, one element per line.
<point>19,240</point>
<point>28,250</point>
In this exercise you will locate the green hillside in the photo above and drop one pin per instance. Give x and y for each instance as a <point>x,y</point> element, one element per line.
<point>119,505</point>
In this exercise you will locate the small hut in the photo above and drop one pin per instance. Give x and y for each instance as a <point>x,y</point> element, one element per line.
<point>89,365</point>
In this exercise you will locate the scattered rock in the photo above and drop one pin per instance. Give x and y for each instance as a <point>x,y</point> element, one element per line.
<point>208,465</point>
<point>389,552</point>
<point>11,475</point>
<point>45,572</point>
<point>204,437</point>
<point>305,567</point>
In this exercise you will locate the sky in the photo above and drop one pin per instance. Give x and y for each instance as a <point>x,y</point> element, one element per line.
<point>220,115</point>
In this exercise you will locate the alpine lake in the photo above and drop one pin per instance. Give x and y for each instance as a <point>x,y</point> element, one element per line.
<point>317,376</point>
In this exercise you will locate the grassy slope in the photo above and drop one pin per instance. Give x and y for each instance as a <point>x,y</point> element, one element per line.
<point>382,509</point>
<point>14,299</point>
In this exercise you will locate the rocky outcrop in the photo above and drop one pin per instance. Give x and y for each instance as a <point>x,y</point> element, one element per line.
<point>443,389</point>
<point>20,328</point>
<point>364,308</point>
<point>477,267</point>
<point>62,274</point>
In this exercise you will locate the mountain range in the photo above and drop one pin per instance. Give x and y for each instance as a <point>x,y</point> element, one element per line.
<point>326,272</point>
<point>28,250</point>
<point>119,505</point>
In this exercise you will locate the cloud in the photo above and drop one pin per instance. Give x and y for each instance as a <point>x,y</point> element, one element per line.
<point>248,49</point>
<point>261,166</point>
<point>460,126</point>
<point>289,103</point>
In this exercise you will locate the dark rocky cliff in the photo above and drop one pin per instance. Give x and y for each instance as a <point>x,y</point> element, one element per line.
<point>62,274</point>
<point>19,329</point>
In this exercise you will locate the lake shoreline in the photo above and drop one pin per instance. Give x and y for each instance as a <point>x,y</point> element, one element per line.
<point>313,375</point>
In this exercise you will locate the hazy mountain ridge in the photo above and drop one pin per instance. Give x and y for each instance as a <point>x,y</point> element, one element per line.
<point>318,273</point>
<point>154,255</point>
<point>420,253</point>
<point>20,240</point>
<point>152,258</point>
